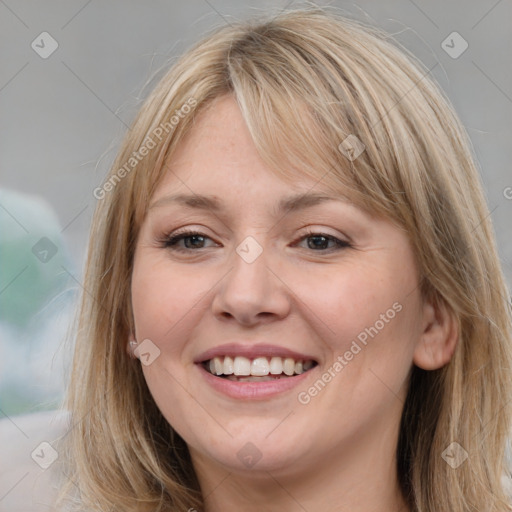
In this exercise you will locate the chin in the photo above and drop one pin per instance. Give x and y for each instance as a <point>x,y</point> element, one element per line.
<point>258,449</point>
<point>253,458</point>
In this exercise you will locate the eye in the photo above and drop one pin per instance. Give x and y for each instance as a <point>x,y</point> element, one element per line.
<point>192,240</point>
<point>319,242</point>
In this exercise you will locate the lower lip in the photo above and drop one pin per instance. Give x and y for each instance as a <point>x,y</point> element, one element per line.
<point>252,390</point>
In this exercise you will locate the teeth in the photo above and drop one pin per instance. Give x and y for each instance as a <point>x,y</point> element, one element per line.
<point>289,366</point>
<point>307,365</point>
<point>276,366</point>
<point>229,367</point>
<point>251,378</point>
<point>242,366</point>
<point>260,367</point>
<point>218,365</point>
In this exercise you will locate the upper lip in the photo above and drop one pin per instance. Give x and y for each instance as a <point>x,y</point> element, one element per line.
<point>251,352</point>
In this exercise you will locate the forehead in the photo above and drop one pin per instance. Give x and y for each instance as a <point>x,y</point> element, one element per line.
<point>218,153</point>
<point>219,141</point>
<point>219,158</point>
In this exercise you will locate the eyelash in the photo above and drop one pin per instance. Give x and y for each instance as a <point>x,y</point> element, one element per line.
<point>170,241</point>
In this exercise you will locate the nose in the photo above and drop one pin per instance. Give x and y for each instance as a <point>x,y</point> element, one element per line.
<point>251,292</point>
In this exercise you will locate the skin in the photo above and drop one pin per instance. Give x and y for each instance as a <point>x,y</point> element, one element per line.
<point>337,452</point>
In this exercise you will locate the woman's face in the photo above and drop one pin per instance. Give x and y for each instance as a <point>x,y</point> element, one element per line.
<point>307,308</point>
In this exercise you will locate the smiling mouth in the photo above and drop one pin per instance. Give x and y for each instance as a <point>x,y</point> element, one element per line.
<point>258,369</point>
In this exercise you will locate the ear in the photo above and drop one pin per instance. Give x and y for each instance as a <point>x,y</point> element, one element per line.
<point>131,346</point>
<point>439,336</point>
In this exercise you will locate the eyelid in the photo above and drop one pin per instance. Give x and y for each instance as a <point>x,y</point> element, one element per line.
<point>181,234</point>
<point>313,230</point>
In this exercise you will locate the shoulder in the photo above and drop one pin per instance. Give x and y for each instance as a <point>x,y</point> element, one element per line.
<point>30,471</point>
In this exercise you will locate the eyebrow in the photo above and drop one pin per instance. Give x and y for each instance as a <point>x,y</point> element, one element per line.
<point>285,205</point>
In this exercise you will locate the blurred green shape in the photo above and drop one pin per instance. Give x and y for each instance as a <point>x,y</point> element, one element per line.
<point>33,257</point>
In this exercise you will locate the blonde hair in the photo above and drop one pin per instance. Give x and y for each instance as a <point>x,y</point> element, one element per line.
<point>305,80</point>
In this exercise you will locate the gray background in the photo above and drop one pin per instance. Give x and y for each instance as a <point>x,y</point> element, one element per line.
<point>62,119</point>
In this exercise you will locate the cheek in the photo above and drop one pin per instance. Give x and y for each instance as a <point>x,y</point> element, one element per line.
<point>370,318</point>
<point>347,302</point>
<point>162,299</point>
<point>165,308</point>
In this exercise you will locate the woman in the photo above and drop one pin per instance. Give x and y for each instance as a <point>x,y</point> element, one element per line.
<point>294,299</point>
